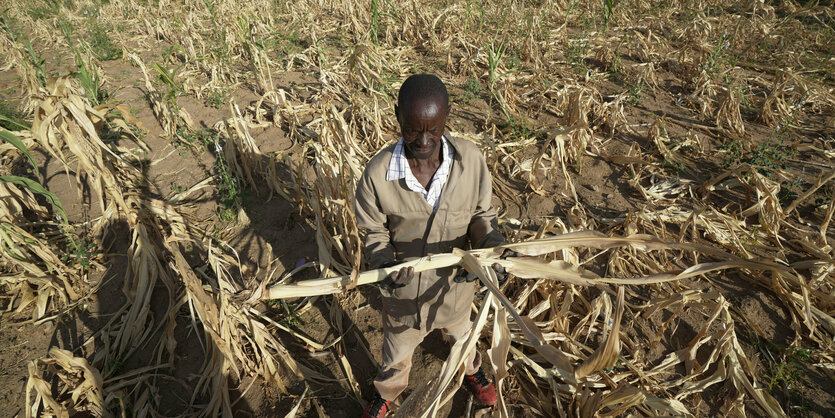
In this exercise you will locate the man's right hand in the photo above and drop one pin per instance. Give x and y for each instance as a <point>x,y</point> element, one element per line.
<point>397,279</point>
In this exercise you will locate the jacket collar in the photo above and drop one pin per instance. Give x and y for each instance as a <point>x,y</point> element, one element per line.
<point>454,172</point>
<point>455,142</point>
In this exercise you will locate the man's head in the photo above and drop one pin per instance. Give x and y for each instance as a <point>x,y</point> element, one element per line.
<point>422,109</point>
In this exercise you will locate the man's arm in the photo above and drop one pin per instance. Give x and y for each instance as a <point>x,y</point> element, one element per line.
<point>483,231</point>
<point>372,221</point>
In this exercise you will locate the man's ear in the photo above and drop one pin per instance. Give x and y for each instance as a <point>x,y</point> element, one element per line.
<point>397,113</point>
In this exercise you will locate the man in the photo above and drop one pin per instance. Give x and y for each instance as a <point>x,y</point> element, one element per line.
<point>427,194</point>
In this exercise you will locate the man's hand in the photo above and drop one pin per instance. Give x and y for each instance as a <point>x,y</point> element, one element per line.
<point>464,276</point>
<point>397,279</point>
<point>501,273</point>
<point>508,253</point>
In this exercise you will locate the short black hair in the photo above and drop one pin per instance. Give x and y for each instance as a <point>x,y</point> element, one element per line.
<point>422,85</point>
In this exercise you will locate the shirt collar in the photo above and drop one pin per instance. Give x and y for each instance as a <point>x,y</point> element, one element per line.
<point>398,165</point>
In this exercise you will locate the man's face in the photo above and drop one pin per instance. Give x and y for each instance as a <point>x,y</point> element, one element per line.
<point>422,122</point>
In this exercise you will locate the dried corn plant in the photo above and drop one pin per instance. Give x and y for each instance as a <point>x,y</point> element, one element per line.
<point>33,270</point>
<point>576,369</point>
<point>337,165</point>
<point>237,342</point>
<point>728,115</point>
<point>14,52</point>
<point>84,384</point>
<point>34,274</point>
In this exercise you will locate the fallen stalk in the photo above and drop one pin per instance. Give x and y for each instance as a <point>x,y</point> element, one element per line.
<point>529,267</point>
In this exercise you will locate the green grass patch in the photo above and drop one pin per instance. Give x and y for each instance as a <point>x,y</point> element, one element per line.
<point>48,9</point>
<point>517,130</point>
<point>217,98</point>
<point>100,42</point>
<point>766,156</point>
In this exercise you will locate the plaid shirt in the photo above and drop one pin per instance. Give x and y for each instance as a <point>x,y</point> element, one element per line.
<point>399,169</point>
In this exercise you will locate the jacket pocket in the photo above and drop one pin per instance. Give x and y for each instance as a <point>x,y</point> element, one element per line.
<point>455,233</point>
<point>401,303</point>
<point>464,294</point>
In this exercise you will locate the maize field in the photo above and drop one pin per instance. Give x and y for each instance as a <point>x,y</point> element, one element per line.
<point>177,233</point>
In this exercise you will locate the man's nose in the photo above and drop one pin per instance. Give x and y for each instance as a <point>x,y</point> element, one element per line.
<point>424,137</point>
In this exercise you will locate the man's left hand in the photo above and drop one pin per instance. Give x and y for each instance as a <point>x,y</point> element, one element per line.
<point>501,272</point>
<point>464,276</point>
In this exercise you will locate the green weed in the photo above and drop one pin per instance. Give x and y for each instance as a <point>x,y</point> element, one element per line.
<point>293,318</point>
<point>292,321</point>
<point>217,98</point>
<point>87,73</point>
<point>766,157</point>
<point>784,368</point>
<point>518,130</point>
<point>495,54</point>
<point>290,42</point>
<point>375,20</point>
<point>788,190</point>
<point>66,28</point>
<point>608,12</point>
<point>230,189</point>
<point>636,92</point>
<point>576,55</point>
<point>36,62</point>
<point>11,118</point>
<point>616,66</point>
<point>186,139</point>
<point>733,153</point>
<point>713,63</point>
<point>100,42</point>
<point>472,90</point>
<point>79,250</point>
<point>88,77</point>
<point>719,60</point>
<point>41,12</point>
<point>769,156</point>
<point>513,61</point>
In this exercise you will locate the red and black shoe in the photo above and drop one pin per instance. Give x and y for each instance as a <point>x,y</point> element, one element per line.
<point>377,408</point>
<point>482,389</point>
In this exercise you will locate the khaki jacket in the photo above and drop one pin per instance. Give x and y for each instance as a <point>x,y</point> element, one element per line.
<point>399,225</point>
